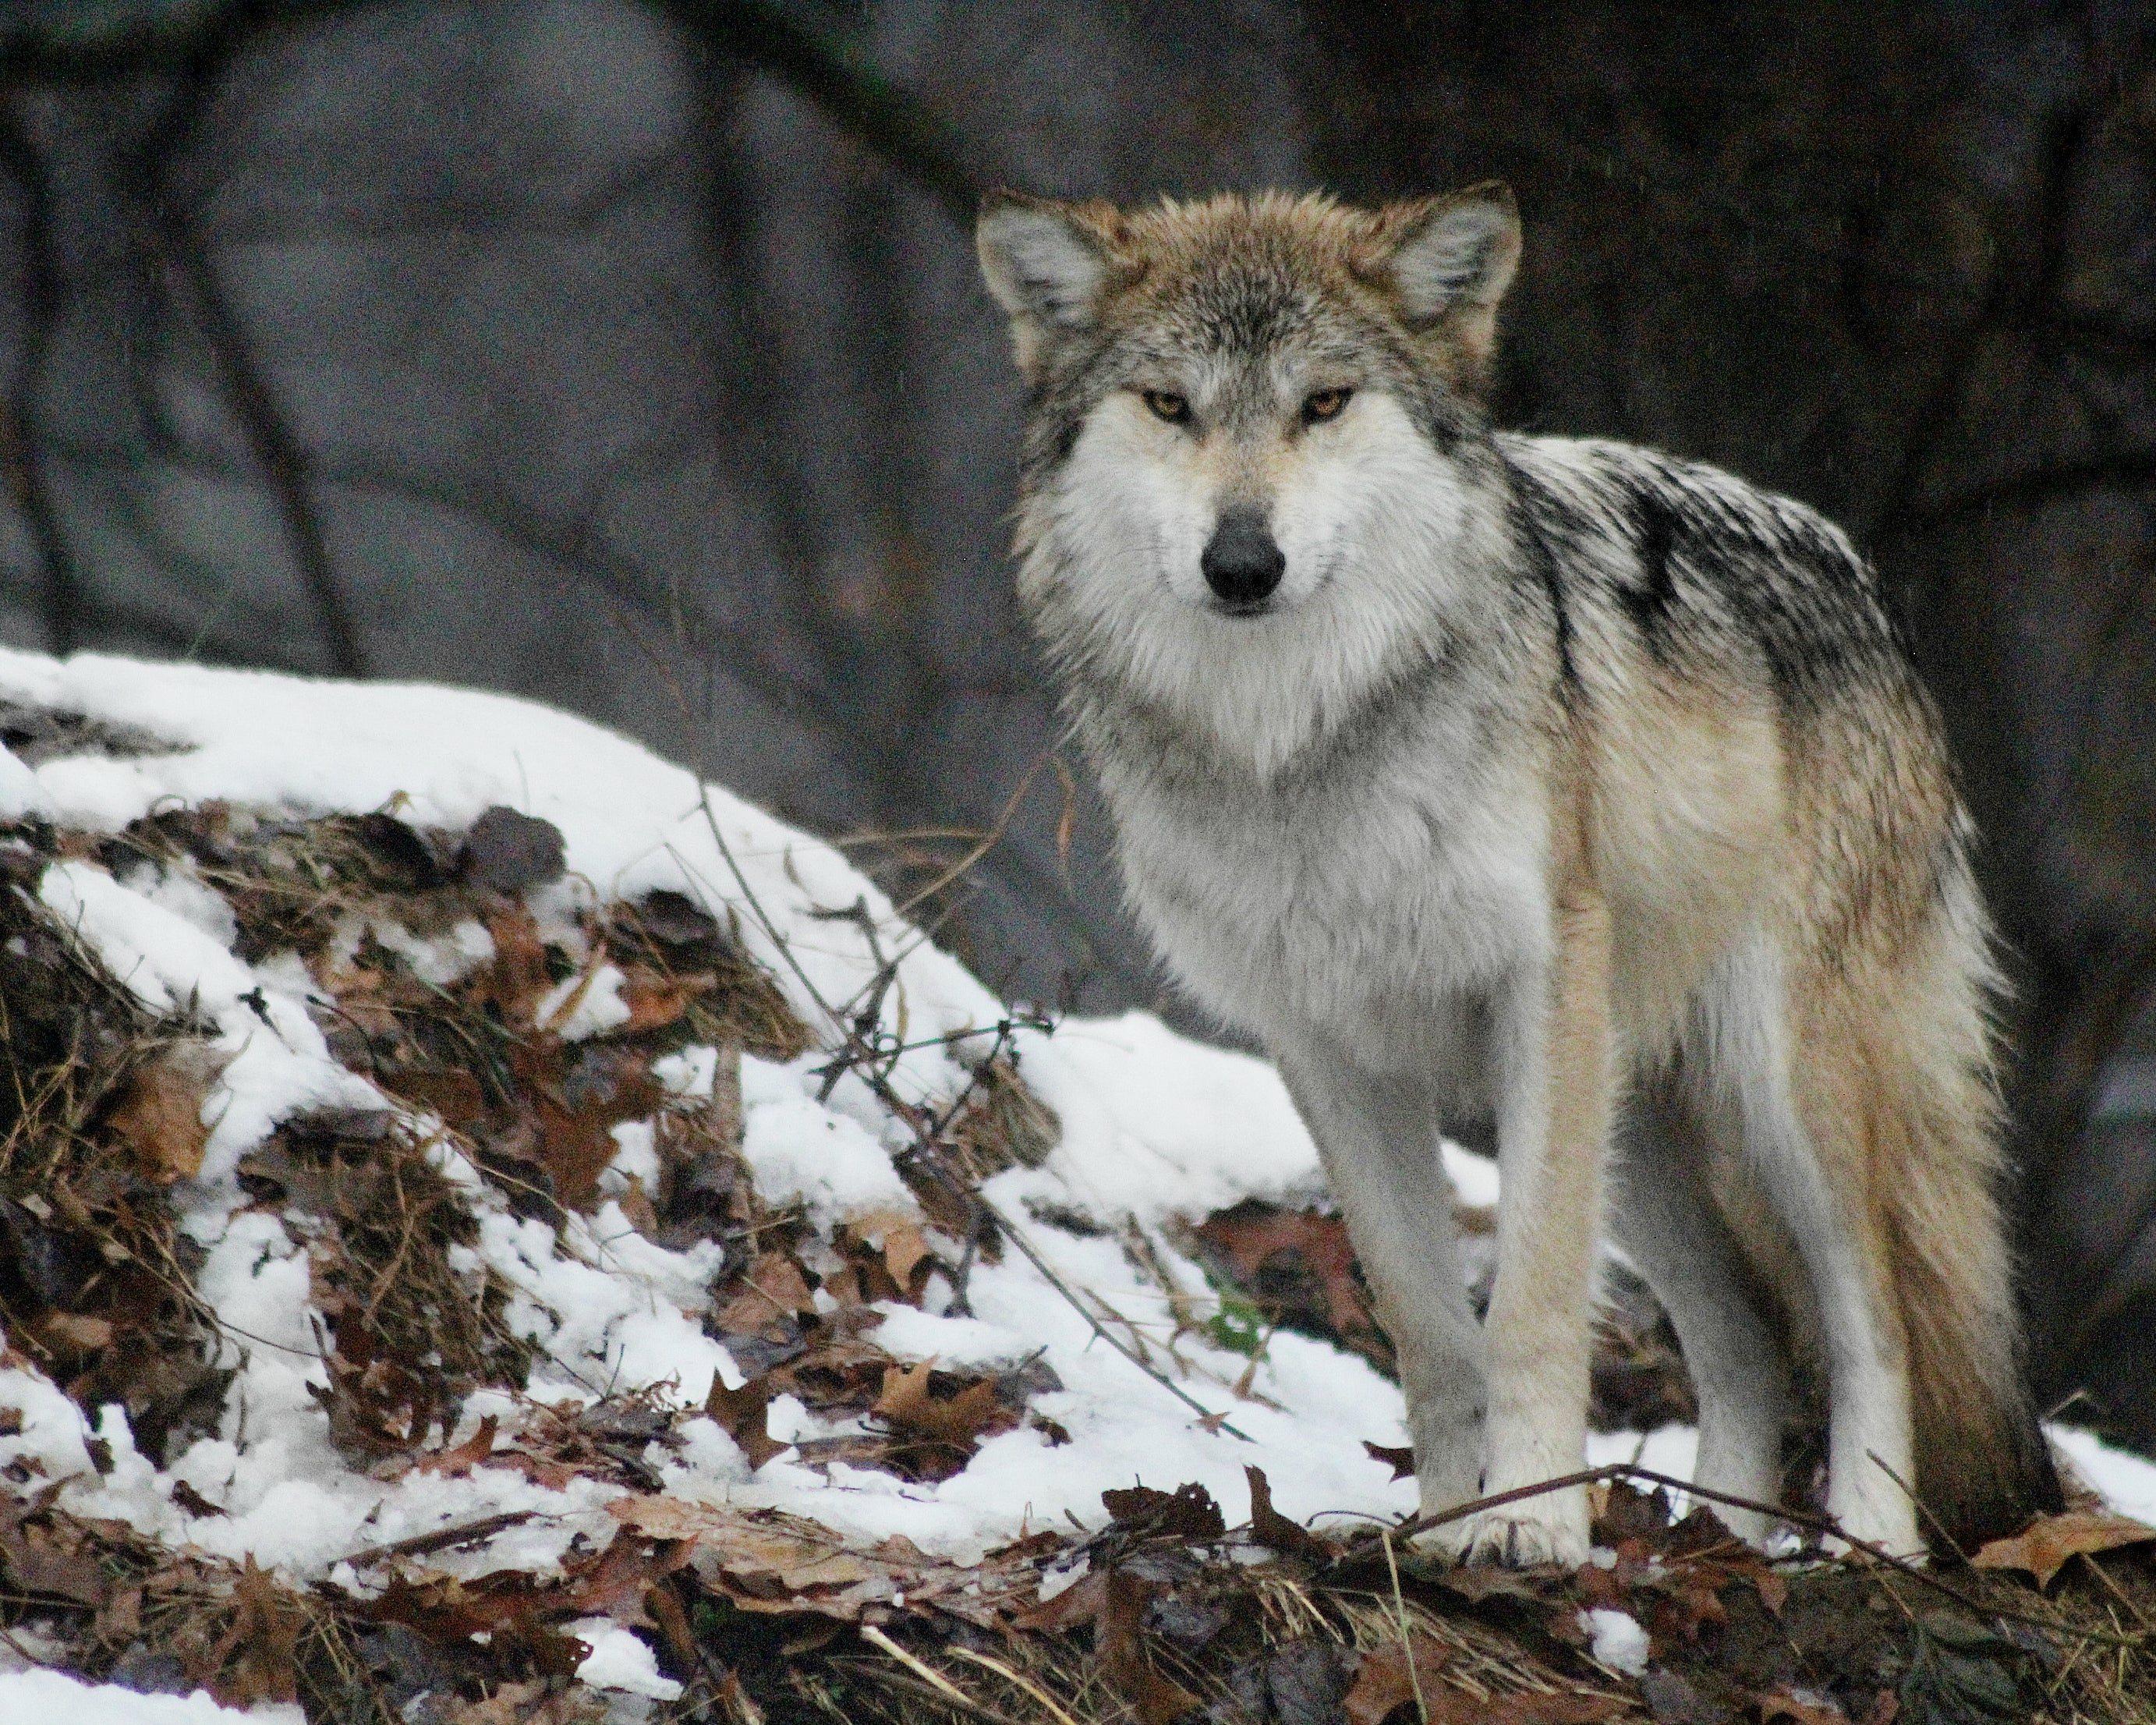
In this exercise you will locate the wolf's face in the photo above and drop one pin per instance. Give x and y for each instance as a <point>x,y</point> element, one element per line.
<point>1252,432</point>
<point>1238,394</point>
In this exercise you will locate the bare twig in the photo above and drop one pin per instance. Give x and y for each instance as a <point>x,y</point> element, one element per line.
<point>419,1544</point>
<point>905,1111</point>
<point>277,450</point>
<point>897,125</point>
<point>1826,1526</point>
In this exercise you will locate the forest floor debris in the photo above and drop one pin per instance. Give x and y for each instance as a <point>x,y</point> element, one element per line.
<point>462,1265</point>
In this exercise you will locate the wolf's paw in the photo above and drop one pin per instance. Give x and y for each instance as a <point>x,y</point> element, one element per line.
<point>1537,1533</point>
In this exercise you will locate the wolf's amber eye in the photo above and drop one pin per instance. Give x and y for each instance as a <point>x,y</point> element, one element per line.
<point>1324,404</point>
<point>1168,405</point>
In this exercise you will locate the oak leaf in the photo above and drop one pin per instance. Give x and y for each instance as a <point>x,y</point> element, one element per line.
<point>743,1414</point>
<point>159,1118</point>
<point>961,1421</point>
<point>2046,1546</point>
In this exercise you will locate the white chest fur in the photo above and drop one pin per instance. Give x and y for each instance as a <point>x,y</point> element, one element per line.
<point>1354,904</point>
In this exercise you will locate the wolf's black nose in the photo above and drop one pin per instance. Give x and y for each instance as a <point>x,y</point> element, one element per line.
<point>1242,564</point>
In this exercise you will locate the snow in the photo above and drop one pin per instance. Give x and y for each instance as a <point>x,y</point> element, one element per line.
<point>1619,1643</point>
<point>2124,1480</point>
<point>1154,1128</point>
<point>52,1694</point>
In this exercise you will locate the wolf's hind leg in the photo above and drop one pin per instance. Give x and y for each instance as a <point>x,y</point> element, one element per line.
<point>1801,1131</point>
<point>1666,1218</point>
<point>1378,1136</point>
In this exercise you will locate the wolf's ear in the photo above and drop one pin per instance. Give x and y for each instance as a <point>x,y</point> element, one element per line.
<point>1448,261</point>
<point>1045,263</point>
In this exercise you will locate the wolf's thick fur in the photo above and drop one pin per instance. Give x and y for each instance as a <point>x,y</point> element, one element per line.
<point>1557,782</point>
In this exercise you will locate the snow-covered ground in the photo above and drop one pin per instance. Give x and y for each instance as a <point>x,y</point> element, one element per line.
<point>1154,1128</point>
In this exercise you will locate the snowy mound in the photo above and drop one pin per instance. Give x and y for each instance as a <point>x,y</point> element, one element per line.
<point>1149,1131</point>
<point>718,1208</point>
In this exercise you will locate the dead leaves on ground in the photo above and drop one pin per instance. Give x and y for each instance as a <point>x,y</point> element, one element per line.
<point>2051,1542</point>
<point>767,1562</point>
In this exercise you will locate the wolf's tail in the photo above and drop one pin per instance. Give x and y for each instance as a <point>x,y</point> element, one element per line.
<point>1983,1466</point>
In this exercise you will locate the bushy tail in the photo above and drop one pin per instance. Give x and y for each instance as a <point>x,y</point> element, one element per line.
<point>1983,1466</point>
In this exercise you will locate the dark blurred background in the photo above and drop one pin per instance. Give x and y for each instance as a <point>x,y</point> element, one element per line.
<point>632,356</point>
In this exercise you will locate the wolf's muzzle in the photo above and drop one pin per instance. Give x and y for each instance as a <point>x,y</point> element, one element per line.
<point>1241,563</point>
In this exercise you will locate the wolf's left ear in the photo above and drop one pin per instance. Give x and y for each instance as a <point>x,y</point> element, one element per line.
<point>1045,263</point>
<point>1448,261</point>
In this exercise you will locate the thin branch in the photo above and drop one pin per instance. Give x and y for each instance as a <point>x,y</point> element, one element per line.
<point>275,448</point>
<point>63,602</point>
<point>897,125</point>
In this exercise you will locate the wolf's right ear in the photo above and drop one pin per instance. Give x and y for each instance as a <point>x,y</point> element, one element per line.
<point>1045,263</point>
<point>1448,262</point>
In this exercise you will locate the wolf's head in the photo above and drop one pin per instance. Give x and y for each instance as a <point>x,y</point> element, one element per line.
<point>1252,425</point>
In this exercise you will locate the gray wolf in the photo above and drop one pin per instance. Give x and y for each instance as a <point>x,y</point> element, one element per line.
<point>1560,784</point>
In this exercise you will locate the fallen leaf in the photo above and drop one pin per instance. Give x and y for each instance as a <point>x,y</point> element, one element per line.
<point>1384,1682</point>
<point>655,1000</point>
<point>764,1560</point>
<point>72,1332</point>
<point>576,1138</point>
<point>960,1420</point>
<point>900,1239</point>
<point>33,1564</point>
<point>1401,1461</point>
<point>456,1463</point>
<point>743,1415</point>
<point>1298,1268</point>
<point>2044,1548</point>
<point>1080,1603</point>
<point>159,1118</point>
<point>771,1289</point>
<point>1188,1512</point>
<point>518,975</point>
<point>253,1661</point>
<point>453,1094</point>
<point>1269,1527</point>
<point>1120,1647</point>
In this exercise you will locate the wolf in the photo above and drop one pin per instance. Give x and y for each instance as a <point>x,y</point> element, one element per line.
<point>1561,785</point>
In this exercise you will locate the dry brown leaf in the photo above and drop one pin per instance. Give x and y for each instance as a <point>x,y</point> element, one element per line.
<point>253,1661</point>
<point>1307,1251</point>
<point>898,1238</point>
<point>1401,1461</point>
<point>1383,1682</point>
<point>961,1420</point>
<point>767,1561</point>
<point>72,1332</point>
<point>33,1564</point>
<point>743,1415</point>
<point>654,999</point>
<point>159,1118</point>
<point>1269,1527</point>
<point>2048,1543</point>
<point>518,976</point>
<point>772,1289</point>
<point>1117,1640</point>
<point>468,1454</point>
<point>452,1094</point>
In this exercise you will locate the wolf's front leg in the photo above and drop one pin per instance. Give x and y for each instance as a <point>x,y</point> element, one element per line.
<point>1377,1135</point>
<point>1557,1070</point>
